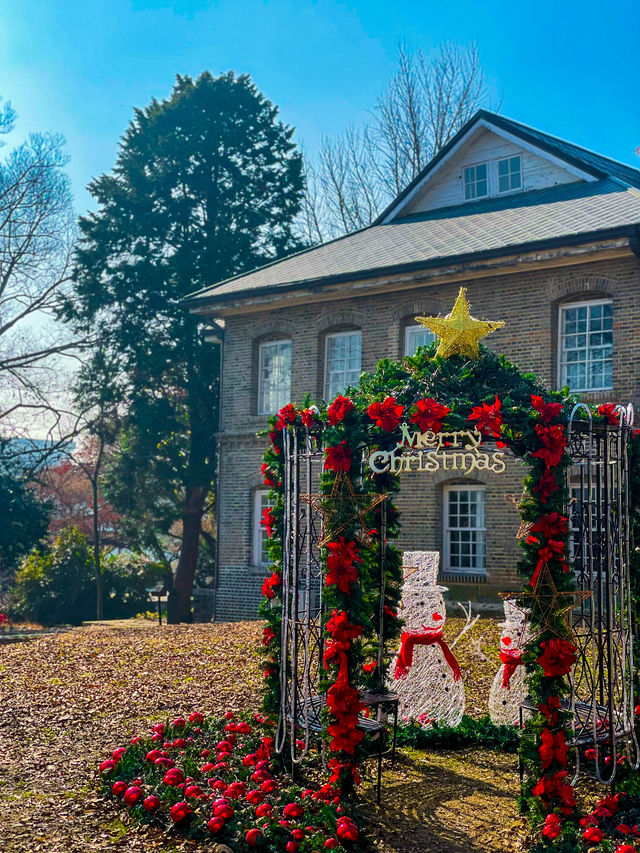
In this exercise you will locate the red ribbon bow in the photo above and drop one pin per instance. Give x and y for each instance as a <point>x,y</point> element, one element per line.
<point>429,637</point>
<point>511,660</point>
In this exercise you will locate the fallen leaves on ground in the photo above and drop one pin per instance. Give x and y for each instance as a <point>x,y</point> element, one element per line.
<point>68,700</point>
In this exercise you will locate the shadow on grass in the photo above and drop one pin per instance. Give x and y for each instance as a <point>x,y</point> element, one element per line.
<point>446,802</point>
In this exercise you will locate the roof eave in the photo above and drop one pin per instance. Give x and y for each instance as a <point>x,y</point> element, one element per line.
<point>202,304</point>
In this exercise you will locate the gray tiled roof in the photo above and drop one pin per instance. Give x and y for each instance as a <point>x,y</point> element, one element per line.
<point>492,224</point>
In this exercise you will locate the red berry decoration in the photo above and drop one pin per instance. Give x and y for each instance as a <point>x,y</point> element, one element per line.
<point>292,847</point>
<point>196,717</point>
<point>253,837</point>
<point>347,830</point>
<point>263,809</point>
<point>151,803</point>
<point>119,788</point>
<point>298,834</point>
<point>118,753</point>
<point>178,723</point>
<point>107,766</point>
<point>331,844</point>
<point>180,811</point>
<point>224,811</point>
<point>133,795</point>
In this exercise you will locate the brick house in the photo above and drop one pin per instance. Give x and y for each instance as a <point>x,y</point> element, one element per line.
<point>544,235</point>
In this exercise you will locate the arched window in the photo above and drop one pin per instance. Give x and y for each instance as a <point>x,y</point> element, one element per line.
<point>342,361</point>
<point>274,375</point>
<point>585,345</point>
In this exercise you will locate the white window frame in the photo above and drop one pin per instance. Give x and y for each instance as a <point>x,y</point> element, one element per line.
<point>462,487</point>
<point>511,189</point>
<point>262,409</point>
<point>259,532</point>
<point>561,366</point>
<point>486,164</point>
<point>328,338</point>
<point>415,328</point>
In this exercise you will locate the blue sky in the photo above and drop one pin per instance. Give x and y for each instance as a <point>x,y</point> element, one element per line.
<point>80,66</point>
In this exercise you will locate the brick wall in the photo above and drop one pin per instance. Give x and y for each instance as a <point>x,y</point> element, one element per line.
<point>527,302</point>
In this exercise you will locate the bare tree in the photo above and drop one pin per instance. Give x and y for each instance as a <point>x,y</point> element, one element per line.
<point>356,174</point>
<point>36,244</point>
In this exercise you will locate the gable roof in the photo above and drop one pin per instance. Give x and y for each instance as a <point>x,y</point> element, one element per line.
<point>587,162</point>
<point>577,211</point>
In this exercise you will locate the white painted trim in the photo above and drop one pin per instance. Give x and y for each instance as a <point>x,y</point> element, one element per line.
<point>510,137</point>
<point>563,307</point>
<point>446,550</point>
<point>258,529</point>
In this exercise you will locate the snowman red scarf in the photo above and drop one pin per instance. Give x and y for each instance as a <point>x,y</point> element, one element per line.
<point>428,637</point>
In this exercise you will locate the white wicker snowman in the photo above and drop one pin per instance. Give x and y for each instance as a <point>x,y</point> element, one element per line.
<point>429,691</point>
<point>508,690</point>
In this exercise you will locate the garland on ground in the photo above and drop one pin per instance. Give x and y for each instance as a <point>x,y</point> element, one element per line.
<point>430,393</point>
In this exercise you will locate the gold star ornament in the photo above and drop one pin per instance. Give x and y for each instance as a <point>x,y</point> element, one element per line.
<point>459,332</point>
<point>341,508</point>
<point>550,605</point>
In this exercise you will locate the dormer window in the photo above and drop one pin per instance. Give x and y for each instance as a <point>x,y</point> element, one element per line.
<point>476,182</point>
<point>509,174</point>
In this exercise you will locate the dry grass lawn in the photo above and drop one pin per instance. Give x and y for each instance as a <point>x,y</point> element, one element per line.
<point>68,700</point>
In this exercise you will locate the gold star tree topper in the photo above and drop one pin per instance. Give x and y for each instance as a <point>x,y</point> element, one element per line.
<point>459,332</point>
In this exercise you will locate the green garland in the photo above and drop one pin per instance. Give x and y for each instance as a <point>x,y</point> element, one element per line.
<point>530,420</point>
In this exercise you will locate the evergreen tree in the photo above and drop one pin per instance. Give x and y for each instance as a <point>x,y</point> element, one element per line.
<point>206,185</point>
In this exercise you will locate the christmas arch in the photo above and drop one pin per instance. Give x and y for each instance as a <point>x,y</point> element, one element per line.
<point>331,602</point>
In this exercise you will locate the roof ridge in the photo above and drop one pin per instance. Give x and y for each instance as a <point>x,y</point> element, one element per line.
<point>561,139</point>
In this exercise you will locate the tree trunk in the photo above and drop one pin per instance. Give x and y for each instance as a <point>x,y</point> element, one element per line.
<point>179,603</point>
<point>96,553</point>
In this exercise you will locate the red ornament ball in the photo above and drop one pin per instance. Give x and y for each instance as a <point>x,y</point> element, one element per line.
<point>151,803</point>
<point>180,811</point>
<point>119,788</point>
<point>253,837</point>
<point>292,811</point>
<point>215,824</point>
<point>133,795</point>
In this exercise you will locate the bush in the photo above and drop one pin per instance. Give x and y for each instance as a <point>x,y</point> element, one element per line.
<point>57,584</point>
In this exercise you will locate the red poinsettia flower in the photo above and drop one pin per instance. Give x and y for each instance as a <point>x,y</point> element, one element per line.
<point>339,409</point>
<point>269,476</point>
<point>338,457</point>
<point>286,415</point>
<point>553,748</point>
<point>558,656</point>
<point>387,414</point>
<point>275,437</point>
<point>488,416</point>
<point>548,411</point>
<point>551,525</point>
<point>547,485</point>
<point>553,444</point>
<point>555,789</point>
<point>309,417</point>
<point>267,635</point>
<point>341,573</point>
<point>608,412</point>
<point>428,414</point>
<point>338,624</point>
<point>270,585</point>
<point>268,520</point>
